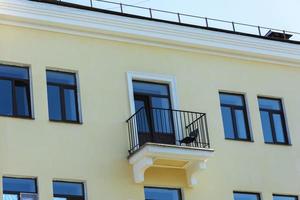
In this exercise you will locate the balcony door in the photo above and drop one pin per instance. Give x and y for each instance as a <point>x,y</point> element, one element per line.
<point>154,114</point>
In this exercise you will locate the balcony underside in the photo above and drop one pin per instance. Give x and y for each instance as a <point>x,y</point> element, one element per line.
<point>190,159</point>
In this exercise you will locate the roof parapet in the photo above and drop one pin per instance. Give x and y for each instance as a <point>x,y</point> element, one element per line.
<point>182,19</point>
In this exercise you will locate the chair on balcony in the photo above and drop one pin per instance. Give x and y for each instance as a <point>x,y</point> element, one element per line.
<point>191,138</point>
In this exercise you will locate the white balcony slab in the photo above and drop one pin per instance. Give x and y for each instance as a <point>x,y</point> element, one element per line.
<point>190,159</point>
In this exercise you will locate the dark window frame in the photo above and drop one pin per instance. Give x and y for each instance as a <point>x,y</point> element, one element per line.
<point>280,112</point>
<point>234,123</point>
<point>284,195</point>
<point>179,190</point>
<point>27,84</point>
<point>258,195</point>
<point>20,192</point>
<point>62,87</point>
<point>71,197</point>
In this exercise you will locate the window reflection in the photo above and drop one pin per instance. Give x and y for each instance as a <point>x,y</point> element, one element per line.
<point>62,96</point>
<point>162,194</point>
<point>273,121</point>
<point>234,116</point>
<point>14,91</point>
<point>68,190</point>
<point>283,197</point>
<point>246,196</point>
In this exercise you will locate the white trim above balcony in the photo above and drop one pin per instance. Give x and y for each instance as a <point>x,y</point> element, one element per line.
<point>194,159</point>
<point>151,77</point>
<point>86,23</point>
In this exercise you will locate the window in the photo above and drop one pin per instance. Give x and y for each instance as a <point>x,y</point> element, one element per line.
<point>273,121</point>
<point>19,188</point>
<point>62,96</point>
<point>162,194</point>
<point>246,196</point>
<point>68,190</point>
<point>284,197</point>
<point>155,119</point>
<point>234,115</point>
<point>15,91</point>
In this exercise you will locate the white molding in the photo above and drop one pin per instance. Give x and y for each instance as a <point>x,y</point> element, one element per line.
<point>117,28</point>
<point>151,77</point>
<point>144,158</point>
<point>140,167</point>
<point>159,78</point>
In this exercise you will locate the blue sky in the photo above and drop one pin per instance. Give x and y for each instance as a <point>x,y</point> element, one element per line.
<point>281,14</point>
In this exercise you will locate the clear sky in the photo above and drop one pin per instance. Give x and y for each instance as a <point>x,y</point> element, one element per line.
<point>281,14</point>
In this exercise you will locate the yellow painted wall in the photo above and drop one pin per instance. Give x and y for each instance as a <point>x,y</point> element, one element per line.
<point>96,151</point>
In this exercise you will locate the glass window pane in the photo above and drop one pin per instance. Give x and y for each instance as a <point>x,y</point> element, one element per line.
<point>22,99</point>
<point>241,124</point>
<point>28,196</point>
<point>162,118</point>
<point>14,72</point>
<point>54,104</point>
<point>227,122</point>
<point>61,77</point>
<point>6,105</point>
<point>70,104</point>
<point>68,188</point>
<point>162,194</point>
<point>244,196</point>
<point>150,88</point>
<point>19,185</point>
<point>272,104</point>
<point>231,99</point>
<point>10,197</point>
<point>266,126</point>
<point>158,102</point>
<point>141,118</point>
<point>279,128</point>
<point>276,197</point>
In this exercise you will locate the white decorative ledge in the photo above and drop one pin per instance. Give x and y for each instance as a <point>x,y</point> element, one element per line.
<point>190,159</point>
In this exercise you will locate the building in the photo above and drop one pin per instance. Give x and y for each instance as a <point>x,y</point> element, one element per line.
<point>98,104</point>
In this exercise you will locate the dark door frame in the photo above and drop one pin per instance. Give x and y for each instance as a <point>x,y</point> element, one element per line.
<point>147,98</point>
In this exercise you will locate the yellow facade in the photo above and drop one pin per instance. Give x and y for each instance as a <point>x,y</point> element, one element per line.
<point>95,151</point>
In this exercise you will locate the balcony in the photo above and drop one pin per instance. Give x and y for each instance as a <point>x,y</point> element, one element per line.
<point>168,138</point>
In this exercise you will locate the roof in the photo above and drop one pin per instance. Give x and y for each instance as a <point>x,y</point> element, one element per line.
<point>181,19</point>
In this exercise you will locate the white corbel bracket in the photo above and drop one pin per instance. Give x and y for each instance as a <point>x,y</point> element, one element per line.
<point>192,170</point>
<point>140,167</point>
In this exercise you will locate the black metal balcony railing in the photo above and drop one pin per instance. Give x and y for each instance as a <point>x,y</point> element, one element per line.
<point>180,19</point>
<point>167,126</point>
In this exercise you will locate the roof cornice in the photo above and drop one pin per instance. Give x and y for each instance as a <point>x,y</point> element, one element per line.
<point>118,28</point>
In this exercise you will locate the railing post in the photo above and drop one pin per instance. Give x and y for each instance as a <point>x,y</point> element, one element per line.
<point>150,11</point>
<point>233,26</point>
<point>91,1</point>
<point>121,7</point>
<point>284,35</point>
<point>259,31</point>
<point>206,130</point>
<point>206,21</point>
<point>179,20</point>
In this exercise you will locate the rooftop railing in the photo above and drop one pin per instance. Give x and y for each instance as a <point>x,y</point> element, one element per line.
<point>180,19</point>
